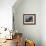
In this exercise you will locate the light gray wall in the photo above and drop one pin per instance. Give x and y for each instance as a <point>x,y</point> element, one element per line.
<point>43,22</point>
<point>29,31</point>
<point>6,13</point>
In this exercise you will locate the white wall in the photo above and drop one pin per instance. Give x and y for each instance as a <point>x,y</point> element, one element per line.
<point>29,31</point>
<point>6,13</point>
<point>43,22</point>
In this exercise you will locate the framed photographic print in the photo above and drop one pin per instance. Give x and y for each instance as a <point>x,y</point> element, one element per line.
<point>29,19</point>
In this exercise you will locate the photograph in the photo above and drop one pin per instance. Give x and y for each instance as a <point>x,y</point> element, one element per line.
<point>29,19</point>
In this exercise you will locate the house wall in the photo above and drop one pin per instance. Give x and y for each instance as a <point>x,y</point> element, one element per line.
<point>6,13</point>
<point>43,22</point>
<point>32,32</point>
<point>6,17</point>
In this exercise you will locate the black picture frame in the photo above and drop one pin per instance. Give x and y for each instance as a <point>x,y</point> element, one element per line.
<point>29,19</point>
